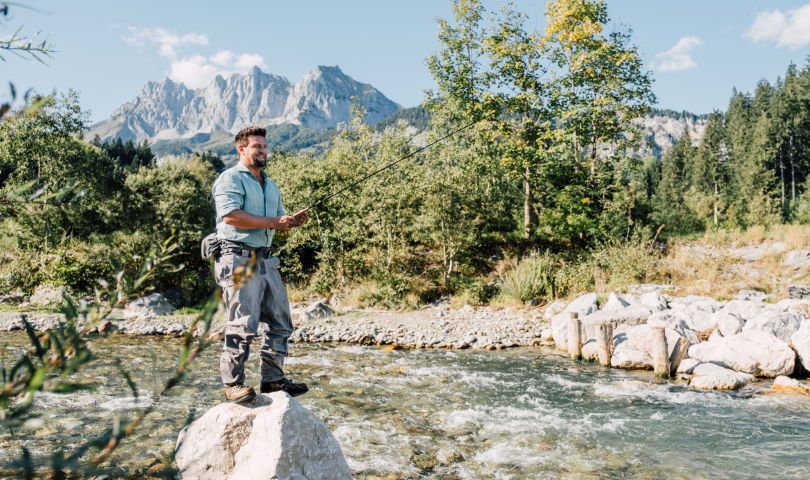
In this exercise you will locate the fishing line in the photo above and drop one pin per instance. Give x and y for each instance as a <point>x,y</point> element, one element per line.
<point>386,167</point>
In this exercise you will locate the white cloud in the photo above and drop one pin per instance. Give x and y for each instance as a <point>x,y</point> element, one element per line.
<point>195,71</point>
<point>167,41</point>
<point>679,57</point>
<point>198,71</point>
<point>789,29</point>
<point>222,57</point>
<point>246,61</point>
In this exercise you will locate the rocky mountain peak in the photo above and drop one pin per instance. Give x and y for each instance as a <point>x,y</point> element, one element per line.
<point>170,110</point>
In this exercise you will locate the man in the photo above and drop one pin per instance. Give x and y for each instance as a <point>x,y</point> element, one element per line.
<point>249,211</point>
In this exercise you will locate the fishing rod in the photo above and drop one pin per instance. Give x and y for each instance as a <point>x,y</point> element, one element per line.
<point>386,167</point>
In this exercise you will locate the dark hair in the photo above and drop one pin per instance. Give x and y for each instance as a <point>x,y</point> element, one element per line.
<point>242,137</point>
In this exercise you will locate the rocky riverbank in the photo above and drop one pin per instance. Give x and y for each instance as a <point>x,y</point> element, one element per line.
<point>710,344</point>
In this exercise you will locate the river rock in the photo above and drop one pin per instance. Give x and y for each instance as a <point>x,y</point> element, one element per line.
<point>791,384</point>
<point>590,350</point>
<point>698,316</point>
<point>780,324</point>
<point>687,366</point>
<point>654,301</point>
<point>797,259</point>
<point>800,341</point>
<point>798,304</point>
<point>582,305</point>
<point>677,320</point>
<point>799,291</point>
<point>552,309</point>
<point>629,316</point>
<point>274,437</point>
<point>728,324</point>
<point>751,295</point>
<point>13,297</point>
<point>755,352</point>
<point>150,306</point>
<point>317,310</point>
<point>633,349</point>
<point>708,376</point>
<point>617,302</point>
<point>744,309</point>
<point>696,302</point>
<point>47,295</point>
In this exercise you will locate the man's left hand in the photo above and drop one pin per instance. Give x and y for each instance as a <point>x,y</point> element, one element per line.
<point>301,217</point>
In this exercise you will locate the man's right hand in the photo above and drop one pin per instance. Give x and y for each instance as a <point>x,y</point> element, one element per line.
<point>284,223</point>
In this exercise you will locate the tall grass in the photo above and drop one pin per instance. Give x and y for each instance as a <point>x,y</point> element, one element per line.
<point>533,278</point>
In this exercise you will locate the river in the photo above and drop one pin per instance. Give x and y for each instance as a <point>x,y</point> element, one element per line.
<point>511,414</point>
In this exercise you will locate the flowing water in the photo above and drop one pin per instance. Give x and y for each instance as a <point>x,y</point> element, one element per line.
<point>514,414</point>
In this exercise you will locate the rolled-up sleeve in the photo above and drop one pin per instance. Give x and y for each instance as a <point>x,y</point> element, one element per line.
<point>228,195</point>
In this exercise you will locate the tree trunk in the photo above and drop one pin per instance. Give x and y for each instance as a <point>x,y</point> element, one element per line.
<point>527,204</point>
<point>792,172</point>
<point>715,204</point>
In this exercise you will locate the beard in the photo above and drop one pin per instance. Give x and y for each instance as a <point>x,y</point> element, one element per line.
<point>260,162</point>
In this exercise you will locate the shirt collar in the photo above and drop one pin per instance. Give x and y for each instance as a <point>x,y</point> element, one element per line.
<point>242,168</point>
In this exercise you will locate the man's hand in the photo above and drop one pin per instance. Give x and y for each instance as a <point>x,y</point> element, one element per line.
<point>301,217</point>
<point>284,223</point>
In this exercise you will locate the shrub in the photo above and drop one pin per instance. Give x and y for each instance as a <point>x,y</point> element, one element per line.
<point>534,278</point>
<point>612,265</point>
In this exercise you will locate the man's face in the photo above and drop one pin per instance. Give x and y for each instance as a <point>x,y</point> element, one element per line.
<point>255,151</point>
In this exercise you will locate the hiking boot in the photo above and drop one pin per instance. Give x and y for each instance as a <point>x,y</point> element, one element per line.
<point>239,393</point>
<point>284,385</point>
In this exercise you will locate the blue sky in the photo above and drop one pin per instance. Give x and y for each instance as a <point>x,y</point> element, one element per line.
<point>107,50</point>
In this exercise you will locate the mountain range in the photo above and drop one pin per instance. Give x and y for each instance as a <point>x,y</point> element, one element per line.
<point>176,120</point>
<point>168,110</point>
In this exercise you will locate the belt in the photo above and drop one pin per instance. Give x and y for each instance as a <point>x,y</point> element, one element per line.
<point>228,246</point>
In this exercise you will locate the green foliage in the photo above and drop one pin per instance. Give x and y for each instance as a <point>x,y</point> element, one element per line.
<point>611,265</point>
<point>56,355</point>
<point>533,278</point>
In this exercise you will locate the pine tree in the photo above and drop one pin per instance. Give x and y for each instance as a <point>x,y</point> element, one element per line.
<point>709,174</point>
<point>669,206</point>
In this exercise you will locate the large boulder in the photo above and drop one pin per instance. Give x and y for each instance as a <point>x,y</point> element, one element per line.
<point>743,309</point>
<point>150,306</point>
<point>790,384</point>
<point>800,341</point>
<point>696,302</point>
<point>752,351</point>
<point>728,324</point>
<point>552,309</point>
<point>583,305</point>
<point>634,348</point>
<point>47,296</point>
<point>618,302</point>
<point>697,316</point>
<point>628,316</point>
<point>316,310</point>
<point>779,324</point>
<point>708,376</point>
<point>273,437</point>
<point>678,320</point>
<point>654,301</point>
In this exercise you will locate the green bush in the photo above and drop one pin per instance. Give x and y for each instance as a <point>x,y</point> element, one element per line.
<point>80,265</point>
<point>534,278</point>
<point>611,265</point>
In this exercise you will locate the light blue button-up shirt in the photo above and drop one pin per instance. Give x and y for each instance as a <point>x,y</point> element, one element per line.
<point>237,189</point>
